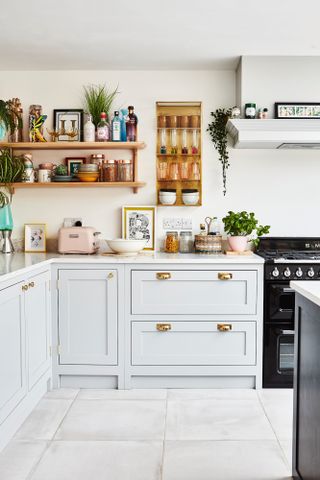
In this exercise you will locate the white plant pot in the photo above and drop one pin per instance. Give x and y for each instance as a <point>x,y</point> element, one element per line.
<point>238,243</point>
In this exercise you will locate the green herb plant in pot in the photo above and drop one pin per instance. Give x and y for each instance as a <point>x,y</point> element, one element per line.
<point>239,225</point>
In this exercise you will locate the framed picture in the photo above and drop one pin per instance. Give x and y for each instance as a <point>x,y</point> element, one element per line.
<point>35,237</point>
<point>70,123</point>
<point>73,164</point>
<point>140,223</point>
<point>297,110</point>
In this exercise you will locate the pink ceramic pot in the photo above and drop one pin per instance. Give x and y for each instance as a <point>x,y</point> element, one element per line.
<point>238,244</point>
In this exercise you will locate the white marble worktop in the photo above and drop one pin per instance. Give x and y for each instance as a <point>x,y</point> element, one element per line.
<point>11,265</point>
<point>309,289</point>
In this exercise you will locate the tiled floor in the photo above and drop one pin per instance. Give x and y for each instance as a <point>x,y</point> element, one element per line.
<point>154,435</point>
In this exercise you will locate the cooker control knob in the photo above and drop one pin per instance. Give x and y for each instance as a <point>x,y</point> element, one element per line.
<point>299,273</point>
<point>275,272</point>
<point>287,272</point>
<point>310,272</point>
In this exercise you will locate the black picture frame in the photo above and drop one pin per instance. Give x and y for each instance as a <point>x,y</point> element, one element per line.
<point>297,110</point>
<point>73,114</point>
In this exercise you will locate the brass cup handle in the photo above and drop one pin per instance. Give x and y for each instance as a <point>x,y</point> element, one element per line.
<point>110,275</point>
<point>225,276</point>
<point>31,285</point>
<point>24,288</point>
<point>163,327</point>
<point>163,275</point>
<point>224,327</point>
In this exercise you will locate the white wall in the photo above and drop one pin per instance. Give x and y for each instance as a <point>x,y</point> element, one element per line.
<point>281,187</point>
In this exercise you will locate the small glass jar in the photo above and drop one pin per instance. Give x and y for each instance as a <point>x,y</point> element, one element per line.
<point>186,242</point>
<point>110,173</point>
<point>125,171</point>
<point>171,242</point>
<point>195,171</point>
<point>163,169</point>
<point>184,170</point>
<point>98,159</point>
<point>250,110</point>
<point>174,171</point>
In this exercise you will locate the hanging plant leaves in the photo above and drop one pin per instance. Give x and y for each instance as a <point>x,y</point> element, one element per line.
<point>218,132</point>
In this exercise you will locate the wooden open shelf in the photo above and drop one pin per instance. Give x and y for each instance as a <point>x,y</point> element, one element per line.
<point>134,185</point>
<point>74,145</point>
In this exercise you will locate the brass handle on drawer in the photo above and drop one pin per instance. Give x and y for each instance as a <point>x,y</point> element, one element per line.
<point>163,327</point>
<point>163,275</point>
<point>24,288</point>
<point>31,284</point>
<point>224,327</point>
<point>225,276</point>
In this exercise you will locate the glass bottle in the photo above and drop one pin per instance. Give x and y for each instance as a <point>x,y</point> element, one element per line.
<point>116,127</point>
<point>184,142</point>
<point>173,138</point>
<point>203,230</point>
<point>171,242</point>
<point>163,141</point>
<point>186,242</point>
<point>195,142</point>
<point>103,128</point>
<point>123,127</point>
<point>89,130</point>
<point>132,122</point>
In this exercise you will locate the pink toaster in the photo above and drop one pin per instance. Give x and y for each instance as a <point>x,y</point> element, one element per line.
<point>78,240</point>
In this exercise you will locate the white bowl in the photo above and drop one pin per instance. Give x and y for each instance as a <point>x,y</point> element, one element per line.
<point>190,198</point>
<point>167,198</point>
<point>126,247</point>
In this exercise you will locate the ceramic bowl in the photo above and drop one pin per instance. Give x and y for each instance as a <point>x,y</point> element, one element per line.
<point>126,247</point>
<point>88,176</point>
<point>190,198</point>
<point>88,167</point>
<point>167,196</point>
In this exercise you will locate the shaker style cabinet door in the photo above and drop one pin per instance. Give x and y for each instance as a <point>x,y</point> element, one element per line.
<point>12,349</point>
<point>207,292</point>
<point>88,317</point>
<point>37,311</point>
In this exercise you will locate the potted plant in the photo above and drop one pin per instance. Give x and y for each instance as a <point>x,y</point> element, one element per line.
<point>239,225</point>
<point>98,99</point>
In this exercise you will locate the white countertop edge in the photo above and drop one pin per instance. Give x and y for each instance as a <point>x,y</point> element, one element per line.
<point>309,289</point>
<point>23,263</point>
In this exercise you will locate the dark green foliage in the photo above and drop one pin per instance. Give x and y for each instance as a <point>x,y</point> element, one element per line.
<point>243,224</point>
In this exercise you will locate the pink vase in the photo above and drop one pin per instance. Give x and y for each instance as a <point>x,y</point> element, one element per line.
<point>238,244</point>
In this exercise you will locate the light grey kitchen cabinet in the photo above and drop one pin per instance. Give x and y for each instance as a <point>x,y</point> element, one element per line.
<point>87,325</point>
<point>197,292</point>
<point>193,343</point>
<point>38,324</point>
<point>13,384</point>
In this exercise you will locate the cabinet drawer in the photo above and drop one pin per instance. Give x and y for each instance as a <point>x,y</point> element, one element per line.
<point>193,292</point>
<point>193,343</point>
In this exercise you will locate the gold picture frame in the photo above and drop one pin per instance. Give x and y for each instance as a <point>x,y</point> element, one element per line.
<point>35,237</point>
<point>139,223</point>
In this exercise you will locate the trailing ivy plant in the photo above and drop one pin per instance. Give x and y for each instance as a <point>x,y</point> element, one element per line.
<point>11,170</point>
<point>218,133</point>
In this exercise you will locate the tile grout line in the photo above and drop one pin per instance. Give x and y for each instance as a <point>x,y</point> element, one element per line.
<point>164,437</point>
<point>284,456</point>
<point>50,441</point>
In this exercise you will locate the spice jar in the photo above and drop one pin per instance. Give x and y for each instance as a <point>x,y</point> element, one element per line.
<point>125,171</point>
<point>171,242</point>
<point>110,171</point>
<point>250,110</point>
<point>186,242</point>
<point>98,159</point>
<point>174,171</point>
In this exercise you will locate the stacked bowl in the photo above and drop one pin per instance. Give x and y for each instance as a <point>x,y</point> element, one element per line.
<point>88,172</point>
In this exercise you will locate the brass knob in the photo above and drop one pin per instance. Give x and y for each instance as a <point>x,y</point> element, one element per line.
<point>24,288</point>
<point>163,327</point>
<point>225,276</point>
<point>163,275</point>
<point>224,327</point>
<point>110,275</point>
<point>31,284</point>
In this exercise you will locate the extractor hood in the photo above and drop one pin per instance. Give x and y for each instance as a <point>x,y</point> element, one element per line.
<point>275,133</point>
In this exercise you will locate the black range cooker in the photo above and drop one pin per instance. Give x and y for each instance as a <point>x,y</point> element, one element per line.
<point>286,259</point>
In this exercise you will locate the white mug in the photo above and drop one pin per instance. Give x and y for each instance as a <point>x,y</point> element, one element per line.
<point>44,176</point>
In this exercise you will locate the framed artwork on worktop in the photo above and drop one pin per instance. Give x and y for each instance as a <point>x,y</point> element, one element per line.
<point>139,223</point>
<point>35,237</point>
<point>297,110</point>
<point>70,123</point>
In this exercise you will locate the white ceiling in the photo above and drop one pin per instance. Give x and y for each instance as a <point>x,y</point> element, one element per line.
<point>152,34</point>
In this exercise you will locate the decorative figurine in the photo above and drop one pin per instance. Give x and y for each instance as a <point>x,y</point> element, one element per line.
<point>36,121</point>
<point>235,112</point>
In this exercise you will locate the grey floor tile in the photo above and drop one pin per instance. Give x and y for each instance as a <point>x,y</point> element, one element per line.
<point>101,461</point>
<point>114,420</point>
<point>134,394</point>
<point>63,393</point>
<point>278,405</point>
<point>226,460</point>
<point>217,420</point>
<point>19,457</point>
<point>212,393</point>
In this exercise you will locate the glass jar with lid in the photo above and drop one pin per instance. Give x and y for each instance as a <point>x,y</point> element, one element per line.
<point>125,171</point>
<point>171,242</point>
<point>186,242</point>
<point>110,171</point>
